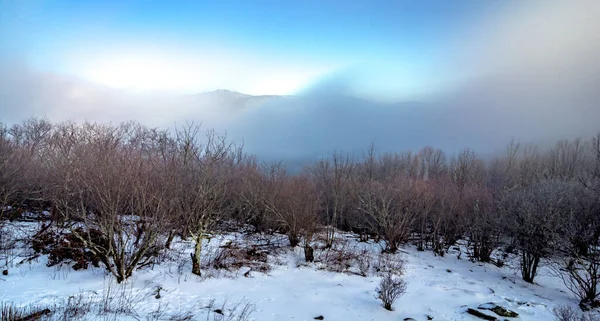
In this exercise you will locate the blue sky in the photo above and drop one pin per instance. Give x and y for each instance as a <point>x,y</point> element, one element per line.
<point>255,46</point>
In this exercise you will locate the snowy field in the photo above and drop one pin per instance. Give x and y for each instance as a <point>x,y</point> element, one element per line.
<point>439,288</point>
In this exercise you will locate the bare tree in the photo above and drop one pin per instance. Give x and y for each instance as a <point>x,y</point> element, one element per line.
<point>252,192</point>
<point>388,206</point>
<point>445,223</point>
<point>590,176</point>
<point>295,205</point>
<point>10,171</point>
<point>579,249</point>
<point>564,161</point>
<point>335,181</point>
<point>482,224</point>
<point>424,200</point>
<point>466,170</point>
<point>201,188</point>
<point>107,188</point>
<point>433,162</point>
<point>532,217</point>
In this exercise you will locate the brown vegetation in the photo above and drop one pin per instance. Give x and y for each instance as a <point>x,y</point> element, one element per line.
<point>123,192</point>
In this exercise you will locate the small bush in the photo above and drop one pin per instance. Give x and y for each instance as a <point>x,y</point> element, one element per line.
<point>67,247</point>
<point>390,288</point>
<point>240,311</point>
<point>77,306</point>
<point>387,263</point>
<point>236,256</point>
<point>581,276</point>
<point>42,242</point>
<point>363,261</point>
<point>342,256</point>
<point>567,313</point>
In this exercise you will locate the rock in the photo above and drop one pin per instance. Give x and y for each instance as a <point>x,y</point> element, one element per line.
<point>499,310</point>
<point>157,292</point>
<point>5,272</point>
<point>36,316</point>
<point>504,312</point>
<point>319,317</point>
<point>225,244</point>
<point>481,315</point>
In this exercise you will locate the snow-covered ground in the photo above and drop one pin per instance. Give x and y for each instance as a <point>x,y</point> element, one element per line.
<point>438,287</point>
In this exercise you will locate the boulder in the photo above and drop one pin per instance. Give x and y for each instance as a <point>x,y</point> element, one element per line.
<point>481,315</point>
<point>499,310</point>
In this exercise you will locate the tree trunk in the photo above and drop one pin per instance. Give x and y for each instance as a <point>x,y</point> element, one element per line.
<point>309,253</point>
<point>529,266</point>
<point>293,239</point>
<point>331,229</point>
<point>170,238</point>
<point>196,256</point>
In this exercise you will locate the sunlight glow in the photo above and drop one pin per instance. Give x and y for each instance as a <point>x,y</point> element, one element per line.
<point>144,73</point>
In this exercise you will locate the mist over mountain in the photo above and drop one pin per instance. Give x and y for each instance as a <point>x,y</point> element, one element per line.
<point>531,74</point>
<point>316,122</point>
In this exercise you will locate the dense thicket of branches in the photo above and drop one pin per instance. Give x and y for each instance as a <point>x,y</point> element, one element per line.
<point>127,190</point>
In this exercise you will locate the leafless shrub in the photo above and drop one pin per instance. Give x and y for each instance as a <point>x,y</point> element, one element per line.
<point>335,178</point>
<point>295,204</point>
<point>388,263</point>
<point>236,256</point>
<point>252,189</point>
<point>240,311</point>
<point>120,298</point>
<point>198,177</point>
<point>581,276</point>
<point>390,288</point>
<point>364,262</point>
<point>568,313</point>
<point>387,205</point>
<point>8,245</point>
<point>158,314</point>
<point>76,307</point>
<point>533,217</point>
<point>104,182</point>
<point>482,224</point>
<point>338,258</point>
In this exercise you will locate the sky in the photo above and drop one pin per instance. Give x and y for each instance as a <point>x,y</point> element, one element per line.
<point>400,73</point>
<point>256,46</point>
